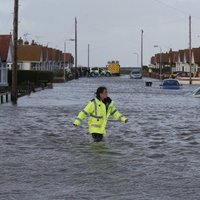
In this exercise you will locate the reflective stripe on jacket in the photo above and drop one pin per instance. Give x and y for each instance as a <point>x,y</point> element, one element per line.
<point>98,116</point>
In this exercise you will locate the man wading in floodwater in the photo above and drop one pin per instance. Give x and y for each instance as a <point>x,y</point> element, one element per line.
<point>99,110</point>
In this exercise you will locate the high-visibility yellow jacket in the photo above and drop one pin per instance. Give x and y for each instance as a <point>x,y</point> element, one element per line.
<point>98,113</point>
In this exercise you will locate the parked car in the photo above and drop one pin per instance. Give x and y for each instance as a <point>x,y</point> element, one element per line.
<point>136,73</point>
<point>174,74</point>
<point>196,93</point>
<point>97,71</point>
<point>171,84</point>
<point>183,74</point>
<point>166,75</point>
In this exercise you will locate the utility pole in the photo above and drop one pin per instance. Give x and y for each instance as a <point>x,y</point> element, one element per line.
<point>88,56</point>
<point>76,49</point>
<point>160,64</point>
<point>15,38</point>
<point>142,47</point>
<point>190,47</point>
<point>64,59</point>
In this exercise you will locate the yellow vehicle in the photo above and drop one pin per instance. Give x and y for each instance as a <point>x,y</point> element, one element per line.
<point>114,68</point>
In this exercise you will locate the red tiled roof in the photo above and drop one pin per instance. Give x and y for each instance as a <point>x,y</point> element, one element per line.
<point>196,53</point>
<point>45,53</point>
<point>187,55</point>
<point>153,60</point>
<point>173,57</point>
<point>164,58</point>
<point>181,55</point>
<point>53,54</point>
<point>29,53</point>
<point>50,54</point>
<point>176,56</point>
<point>4,46</point>
<point>68,57</point>
<point>58,55</point>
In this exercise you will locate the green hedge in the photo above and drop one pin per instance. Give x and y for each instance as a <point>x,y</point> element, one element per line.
<point>34,77</point>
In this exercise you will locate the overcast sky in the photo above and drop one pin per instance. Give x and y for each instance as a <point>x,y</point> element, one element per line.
<point>112,27</point>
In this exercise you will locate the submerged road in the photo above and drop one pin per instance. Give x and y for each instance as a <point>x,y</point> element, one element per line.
<point>153,157</point>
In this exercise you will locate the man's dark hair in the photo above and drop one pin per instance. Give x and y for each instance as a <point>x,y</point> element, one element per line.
<point>100,91</point>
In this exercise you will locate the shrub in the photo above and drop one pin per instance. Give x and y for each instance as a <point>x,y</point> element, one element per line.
<point>34,77</point>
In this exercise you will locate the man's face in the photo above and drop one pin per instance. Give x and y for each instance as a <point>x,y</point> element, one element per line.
<point>104,94</point>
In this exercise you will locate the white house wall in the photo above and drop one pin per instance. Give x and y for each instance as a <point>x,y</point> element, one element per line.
<point>25,66</point>
<point>186,67</point>
<point>3,74</point>
<point>9,57</point>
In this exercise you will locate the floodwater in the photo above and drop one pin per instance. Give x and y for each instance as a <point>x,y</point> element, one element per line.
<point>156,156</point>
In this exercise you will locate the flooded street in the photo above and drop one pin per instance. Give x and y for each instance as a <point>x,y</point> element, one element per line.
<point>153,157</point>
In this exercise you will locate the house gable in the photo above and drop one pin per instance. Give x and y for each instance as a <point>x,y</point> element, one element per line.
<point>6,48</point>
<point>10,53</point>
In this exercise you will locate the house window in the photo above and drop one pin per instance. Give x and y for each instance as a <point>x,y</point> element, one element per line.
<point>3,73</point>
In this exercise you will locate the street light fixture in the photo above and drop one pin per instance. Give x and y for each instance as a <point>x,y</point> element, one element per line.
<point>71,40</point>
<point>156,46</point>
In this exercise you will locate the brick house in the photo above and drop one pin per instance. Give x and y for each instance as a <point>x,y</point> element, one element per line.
<point>163,57</point>
<point>183,63</point>
<point>178,60</point>
<point>173,59</point>
<point>30,57</point>
<point>196,59</point>
<point>37,57</point>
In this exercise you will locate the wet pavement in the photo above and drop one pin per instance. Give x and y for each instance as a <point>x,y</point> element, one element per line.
<point>153,157</point>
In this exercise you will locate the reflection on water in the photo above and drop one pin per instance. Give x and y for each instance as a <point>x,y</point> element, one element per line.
<point>154,156</point>
<point>99,148</point>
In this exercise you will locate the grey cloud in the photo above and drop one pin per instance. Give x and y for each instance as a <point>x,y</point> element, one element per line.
<point>112,27</point>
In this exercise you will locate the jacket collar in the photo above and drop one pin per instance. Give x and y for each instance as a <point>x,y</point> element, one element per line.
<point>106,101</point>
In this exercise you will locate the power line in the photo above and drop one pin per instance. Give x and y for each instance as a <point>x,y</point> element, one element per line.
<point>172,7</point>
<point>176,9</point>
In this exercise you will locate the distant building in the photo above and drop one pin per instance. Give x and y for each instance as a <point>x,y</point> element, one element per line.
<point>30,57</point>
<point>6,49</point>
<point>178,60</point>
<point>196,59</point>
<point>163,58</point>
<point>183,61</point>
<point>37,57</point>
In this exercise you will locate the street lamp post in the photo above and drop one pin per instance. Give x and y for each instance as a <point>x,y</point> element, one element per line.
<point>88,56</point>
<point>156,46</point>
<point>64,59</point>
<point>76,49</point>
<point>142,47</point>
<point>137,58</point>
<point>74,40</point>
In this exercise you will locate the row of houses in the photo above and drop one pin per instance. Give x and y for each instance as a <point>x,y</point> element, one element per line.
<point>31,57</point>
<point>178,60</point>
